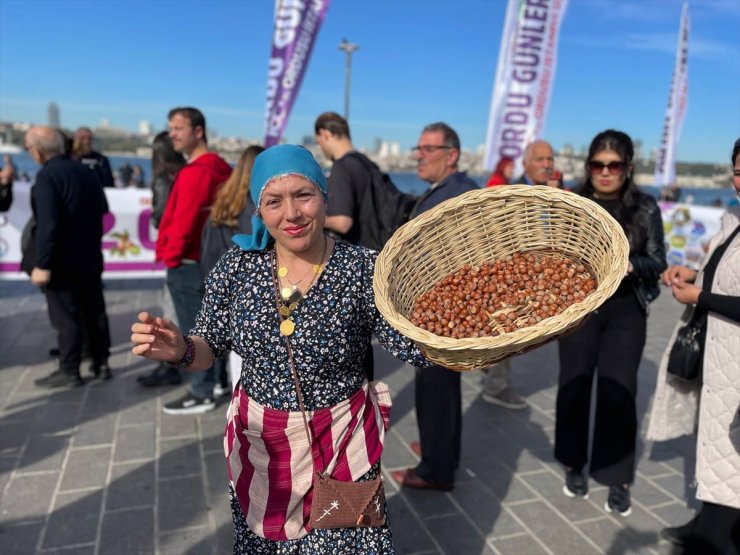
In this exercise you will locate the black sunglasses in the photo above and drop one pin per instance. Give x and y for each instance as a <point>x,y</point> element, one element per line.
<point>615,168</point>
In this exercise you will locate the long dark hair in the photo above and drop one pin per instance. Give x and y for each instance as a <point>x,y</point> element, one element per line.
<point>233,196</point>
<point>629,195</point>
<point>165,161</point>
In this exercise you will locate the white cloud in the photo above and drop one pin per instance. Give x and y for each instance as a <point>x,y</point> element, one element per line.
<point>659,42</point>
<point>667,42</point>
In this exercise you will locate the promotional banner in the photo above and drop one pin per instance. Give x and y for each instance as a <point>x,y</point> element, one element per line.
<point>688,230</point>
<point>524,76</point>
<point>297,23</point>
<point>129,239</point>
<point>665,165</point>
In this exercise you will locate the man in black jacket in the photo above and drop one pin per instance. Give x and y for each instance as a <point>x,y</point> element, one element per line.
<point>349,178</point>
<point>438,394</point>
<point>83,151</point>
<point>64,257</point>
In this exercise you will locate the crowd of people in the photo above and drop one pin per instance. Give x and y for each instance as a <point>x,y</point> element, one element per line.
<point>264,270</point>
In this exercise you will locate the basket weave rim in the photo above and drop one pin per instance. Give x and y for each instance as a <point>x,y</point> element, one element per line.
<point>554,325</point>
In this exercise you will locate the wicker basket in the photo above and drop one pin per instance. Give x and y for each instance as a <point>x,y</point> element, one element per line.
<point>486,225</point>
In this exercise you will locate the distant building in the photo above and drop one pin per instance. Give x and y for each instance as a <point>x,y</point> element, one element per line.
<point>145,128</point>
<point>54,120</point>
<point>104,123</point>
<point>383,149</point>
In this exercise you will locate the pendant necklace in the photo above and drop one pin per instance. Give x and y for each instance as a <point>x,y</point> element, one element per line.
<point>288,297</point>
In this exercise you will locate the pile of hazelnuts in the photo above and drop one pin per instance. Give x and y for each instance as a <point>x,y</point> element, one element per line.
<point>518,291</point>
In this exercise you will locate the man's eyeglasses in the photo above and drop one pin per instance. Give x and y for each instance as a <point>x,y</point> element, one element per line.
<point>428,149</point>
<point>615,168</point>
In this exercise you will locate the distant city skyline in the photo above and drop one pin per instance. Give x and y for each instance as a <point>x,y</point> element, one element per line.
<point>434,60</point>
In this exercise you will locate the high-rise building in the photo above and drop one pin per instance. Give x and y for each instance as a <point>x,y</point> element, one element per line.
<point>639,149</point>
<point>54,115</point>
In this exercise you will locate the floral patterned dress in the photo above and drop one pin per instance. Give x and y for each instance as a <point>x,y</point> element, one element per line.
<point>334,323</point>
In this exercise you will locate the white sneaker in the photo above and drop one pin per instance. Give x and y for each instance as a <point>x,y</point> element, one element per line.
<point>506,398</point>
<point>220,390</point>
<point>190,404</point>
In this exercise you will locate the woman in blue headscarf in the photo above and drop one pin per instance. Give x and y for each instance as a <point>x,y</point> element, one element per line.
<point>299,309</point>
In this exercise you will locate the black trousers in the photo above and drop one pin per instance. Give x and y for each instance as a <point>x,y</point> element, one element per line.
<point>714,530</point>
<point>77,311</point>
<point>439,415</point>
<point>609,344</point>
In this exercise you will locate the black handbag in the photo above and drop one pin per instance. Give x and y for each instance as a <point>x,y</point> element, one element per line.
<point>686,358</point>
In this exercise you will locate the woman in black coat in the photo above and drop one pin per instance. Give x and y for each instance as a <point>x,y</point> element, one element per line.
<point>611,341</point>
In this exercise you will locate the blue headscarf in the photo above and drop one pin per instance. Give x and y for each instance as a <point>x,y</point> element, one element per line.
<point>277,161</point>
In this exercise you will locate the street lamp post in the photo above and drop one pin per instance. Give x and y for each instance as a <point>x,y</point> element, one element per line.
<point>348,49</point>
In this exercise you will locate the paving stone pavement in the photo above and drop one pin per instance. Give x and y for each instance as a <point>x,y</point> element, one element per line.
<point>101,470</point>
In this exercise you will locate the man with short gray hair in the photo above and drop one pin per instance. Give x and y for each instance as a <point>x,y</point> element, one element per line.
<point>538,162</point>
<point>63,256</point>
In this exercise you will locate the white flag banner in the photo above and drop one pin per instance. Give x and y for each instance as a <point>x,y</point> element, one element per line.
<point>665,165</point>
<point>129,239</point>
<point>524,76</point>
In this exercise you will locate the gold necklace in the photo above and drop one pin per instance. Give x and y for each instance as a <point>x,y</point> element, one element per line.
<point>287,292</point>
<point>287,298</point>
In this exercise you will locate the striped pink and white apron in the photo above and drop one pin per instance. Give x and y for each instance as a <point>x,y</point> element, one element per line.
<point>270,462</point>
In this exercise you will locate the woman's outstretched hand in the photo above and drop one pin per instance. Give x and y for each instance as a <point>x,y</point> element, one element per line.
<point>157,338</point>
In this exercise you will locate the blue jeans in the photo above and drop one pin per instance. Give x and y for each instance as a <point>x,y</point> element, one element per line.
<point>497,379</point>
<point>185,283</point>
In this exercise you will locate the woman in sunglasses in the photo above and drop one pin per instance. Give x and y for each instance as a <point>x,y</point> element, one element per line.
<point>610,342</point>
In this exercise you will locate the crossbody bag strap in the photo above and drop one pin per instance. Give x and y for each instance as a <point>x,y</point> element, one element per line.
<point>699,316</point>
<point>297,381</point>
<point>293,371</point>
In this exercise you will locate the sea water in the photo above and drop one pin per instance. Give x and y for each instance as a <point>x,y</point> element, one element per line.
<point>406,181</point>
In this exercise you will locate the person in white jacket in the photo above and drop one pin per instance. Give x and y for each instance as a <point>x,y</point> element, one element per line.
<point>710,404</point>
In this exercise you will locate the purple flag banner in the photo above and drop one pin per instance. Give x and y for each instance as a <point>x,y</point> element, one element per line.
<point>665,165</point>
<point>524,76</point>
<point>297,23</point>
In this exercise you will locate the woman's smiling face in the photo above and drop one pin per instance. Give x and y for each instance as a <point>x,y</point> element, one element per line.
<point>293,210</point>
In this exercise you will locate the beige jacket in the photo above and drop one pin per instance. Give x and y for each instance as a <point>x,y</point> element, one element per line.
<point>676,405</point>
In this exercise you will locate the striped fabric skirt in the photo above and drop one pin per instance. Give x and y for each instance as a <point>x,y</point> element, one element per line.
<point>271,466</point>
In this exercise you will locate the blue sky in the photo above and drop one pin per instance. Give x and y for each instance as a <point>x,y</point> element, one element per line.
<point>419,61</point>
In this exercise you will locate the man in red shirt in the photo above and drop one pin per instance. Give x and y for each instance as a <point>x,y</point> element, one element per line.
<point>178,242</point>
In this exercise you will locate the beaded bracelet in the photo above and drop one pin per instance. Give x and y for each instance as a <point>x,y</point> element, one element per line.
<point>189,356</point>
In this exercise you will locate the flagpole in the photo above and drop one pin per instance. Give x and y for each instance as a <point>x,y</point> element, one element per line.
<point>349,49</point>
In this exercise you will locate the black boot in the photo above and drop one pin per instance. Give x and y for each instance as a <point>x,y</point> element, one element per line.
<point>101,371</point>
<point>680,535</point>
